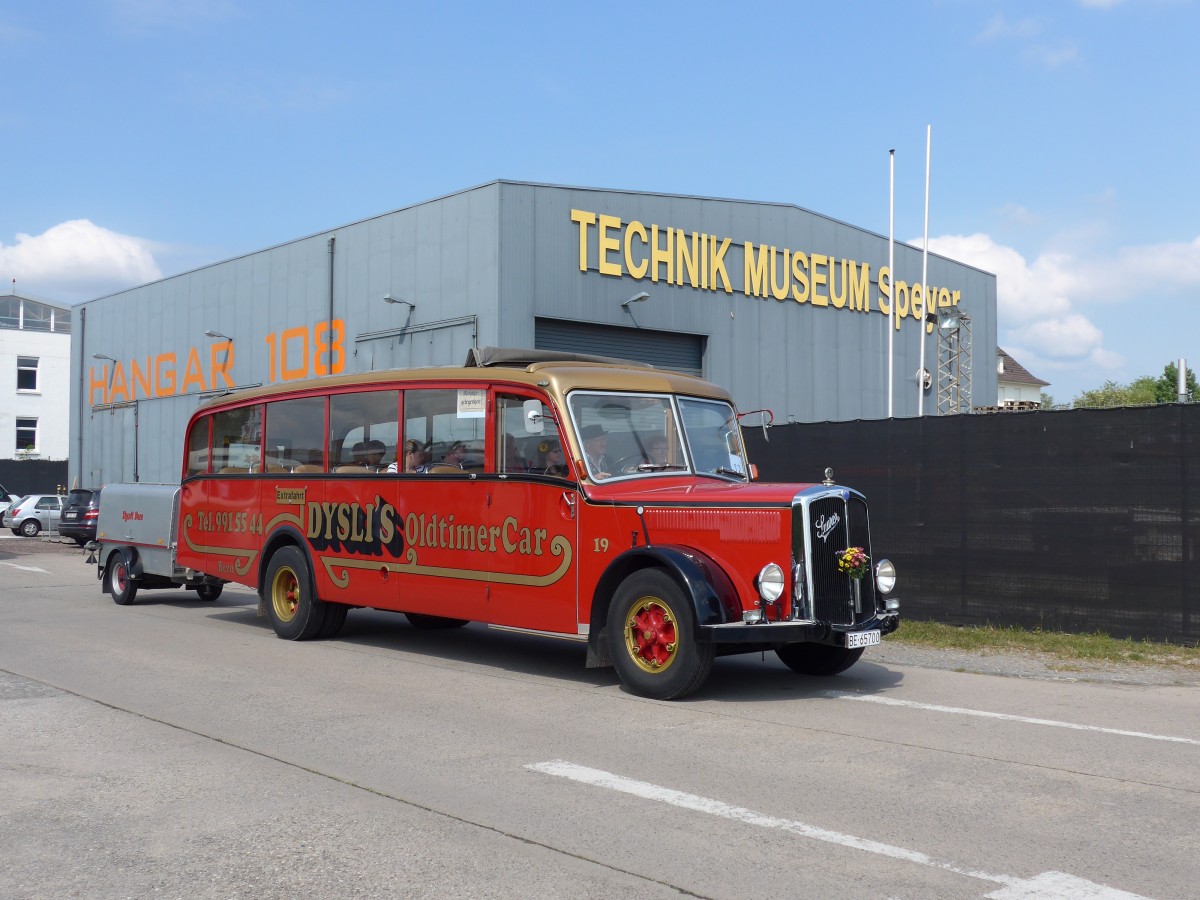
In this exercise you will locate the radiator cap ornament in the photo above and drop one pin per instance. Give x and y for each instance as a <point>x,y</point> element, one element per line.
<point>828,477</point>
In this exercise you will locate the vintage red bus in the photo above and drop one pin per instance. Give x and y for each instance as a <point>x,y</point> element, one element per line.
<point>608,503</point>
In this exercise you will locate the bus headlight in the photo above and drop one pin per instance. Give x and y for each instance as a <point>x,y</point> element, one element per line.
<point>885,576</point>
<point>770,582</point>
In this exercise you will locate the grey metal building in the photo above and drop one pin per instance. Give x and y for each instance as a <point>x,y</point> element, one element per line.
<point>788,309</point>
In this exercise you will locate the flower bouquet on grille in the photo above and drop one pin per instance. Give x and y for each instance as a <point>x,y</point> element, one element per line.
<point>853,561</point>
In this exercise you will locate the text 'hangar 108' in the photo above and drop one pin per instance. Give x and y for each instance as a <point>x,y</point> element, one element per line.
<point>787,309</point>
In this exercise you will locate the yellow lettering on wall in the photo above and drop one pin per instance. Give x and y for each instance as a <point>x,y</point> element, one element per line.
<point>584,220</point>
<point>837,296</point>
<point>636,269</point>
<point>819,278</point>
<point>687,258</point>
<point>662,256</point>
<point>608,245</point>
<point>859,279</point>
<point>885,290</point>
<point>717,265</point>
<point>799,277</point>
<point>902,294</point>
<point>780,290</point>
<point>755,280</point>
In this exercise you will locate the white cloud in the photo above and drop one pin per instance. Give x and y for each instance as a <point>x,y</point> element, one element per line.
<point>77,260</point>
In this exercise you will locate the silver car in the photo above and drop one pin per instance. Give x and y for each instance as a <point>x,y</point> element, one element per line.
<point>31,514</point>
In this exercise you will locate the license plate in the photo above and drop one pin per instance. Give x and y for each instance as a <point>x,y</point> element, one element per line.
<point>862,638</point>
<point>70,515</point>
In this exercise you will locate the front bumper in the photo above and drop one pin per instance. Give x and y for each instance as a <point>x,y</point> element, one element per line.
<point>772,633</point>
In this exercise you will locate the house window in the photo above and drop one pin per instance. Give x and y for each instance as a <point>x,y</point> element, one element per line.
<point>27,434</point>
<point>27,372</point>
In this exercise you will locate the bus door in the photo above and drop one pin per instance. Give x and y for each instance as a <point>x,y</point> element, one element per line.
<point>533,518</point>
<point>219,514</point>
<point>440,503</point>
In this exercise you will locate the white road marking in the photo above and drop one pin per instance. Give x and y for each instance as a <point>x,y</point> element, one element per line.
<point>1008,717</point>
<point>25,568</point>
<point>1046,886</point>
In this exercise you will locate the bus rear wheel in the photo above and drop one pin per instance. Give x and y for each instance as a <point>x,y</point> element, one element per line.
<point>818,659</point>
<point>652,638</point>
<point>291,599</point>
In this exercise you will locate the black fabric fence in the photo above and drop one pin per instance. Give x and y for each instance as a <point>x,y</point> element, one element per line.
<point>1078,520</point>
<point>33,476</point>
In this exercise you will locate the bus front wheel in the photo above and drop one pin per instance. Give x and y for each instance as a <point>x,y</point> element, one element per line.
<point>652,638</point>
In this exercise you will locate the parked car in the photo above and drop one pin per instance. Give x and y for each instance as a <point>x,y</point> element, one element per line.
<point>81,509</point>
<point>6,499</point>
<point>31,514</point>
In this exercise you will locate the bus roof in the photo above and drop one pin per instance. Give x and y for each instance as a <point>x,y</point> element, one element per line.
<point>559,374</point>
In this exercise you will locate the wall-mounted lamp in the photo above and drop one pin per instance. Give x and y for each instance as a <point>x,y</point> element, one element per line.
<point>388,298</point>
<point>636,298</point>
<point>216,334</point>
<point>103,356</point>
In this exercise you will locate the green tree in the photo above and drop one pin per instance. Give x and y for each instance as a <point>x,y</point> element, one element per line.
<point>1139,392</point>
<point>1166,388</point>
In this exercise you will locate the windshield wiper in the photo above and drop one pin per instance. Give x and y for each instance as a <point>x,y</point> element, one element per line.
<point>658,467</point>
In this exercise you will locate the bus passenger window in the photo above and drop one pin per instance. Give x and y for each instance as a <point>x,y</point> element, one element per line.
<point>295,435</point>
<point>237,440</point>
<point>450,425</point>
<point>363,432</point>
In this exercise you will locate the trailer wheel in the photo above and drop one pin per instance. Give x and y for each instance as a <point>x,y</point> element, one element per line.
<point>209,592</point>
<point>428,623</point>
<point>818,659</point>
<point>652,638</point>
<point>120,585</point>
<point>292,605</point>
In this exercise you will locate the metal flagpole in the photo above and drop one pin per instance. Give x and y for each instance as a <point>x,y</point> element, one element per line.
<point>924,280</point>
<point>891,277</point>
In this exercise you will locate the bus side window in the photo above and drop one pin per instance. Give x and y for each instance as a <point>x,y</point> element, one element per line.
<point>237,440</point>
<point>197,452</point>
<point>295,435</point>
<point>363,432</point>
<point>449,425</point>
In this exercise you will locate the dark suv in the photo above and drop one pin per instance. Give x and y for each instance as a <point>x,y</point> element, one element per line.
<point>81,509</point>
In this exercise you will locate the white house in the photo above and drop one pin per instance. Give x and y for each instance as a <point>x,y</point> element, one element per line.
<point>1015,386</point>
<point>35,378</point>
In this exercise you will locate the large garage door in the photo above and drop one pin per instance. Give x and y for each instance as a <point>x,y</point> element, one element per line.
<point>664,349</point>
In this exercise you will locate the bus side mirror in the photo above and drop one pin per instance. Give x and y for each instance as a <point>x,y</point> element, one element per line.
<point>533,417</point>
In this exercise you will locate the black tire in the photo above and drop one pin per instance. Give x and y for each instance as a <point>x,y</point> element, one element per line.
<point>818,659</point>
<point>209,592</point>
<point>31,527</point>
<point>122,587</point>
<point>430,623</point>
<point>652,638</point>
<point>292,605</point>
<point>335,618</point>
<point>16,531</point>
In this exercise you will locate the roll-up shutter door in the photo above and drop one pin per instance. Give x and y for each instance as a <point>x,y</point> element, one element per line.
<point>664,349</point>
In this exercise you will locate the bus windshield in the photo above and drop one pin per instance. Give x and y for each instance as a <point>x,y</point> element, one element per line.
<point>636,435</point>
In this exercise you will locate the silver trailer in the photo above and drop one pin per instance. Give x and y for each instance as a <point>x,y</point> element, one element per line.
<point>135,543</point>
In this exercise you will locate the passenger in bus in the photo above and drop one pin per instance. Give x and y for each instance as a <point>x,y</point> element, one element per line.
<point>513,460</point>
<point>656,450</point>
<point>373,454</point>
<point>414,458</point>
<point>456,455</point>
<point>551,460</point>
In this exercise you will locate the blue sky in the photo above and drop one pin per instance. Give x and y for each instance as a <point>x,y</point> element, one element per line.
<point>146,137</point>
